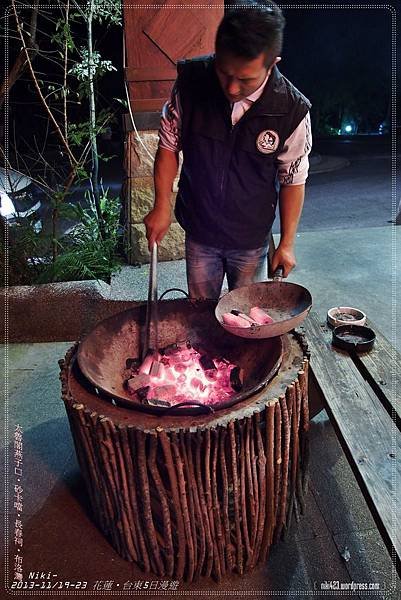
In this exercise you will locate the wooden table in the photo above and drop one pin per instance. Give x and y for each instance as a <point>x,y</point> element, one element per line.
<point>361,394</point>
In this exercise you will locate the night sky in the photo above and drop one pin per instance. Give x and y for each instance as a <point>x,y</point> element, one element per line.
<point>356,41</point>
<point>341,58</point>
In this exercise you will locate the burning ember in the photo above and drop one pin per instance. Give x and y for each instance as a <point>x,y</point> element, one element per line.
<point>180,374</point>
<point>257,316</point>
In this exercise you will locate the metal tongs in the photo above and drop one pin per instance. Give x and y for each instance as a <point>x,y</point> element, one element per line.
<point>152,318</point>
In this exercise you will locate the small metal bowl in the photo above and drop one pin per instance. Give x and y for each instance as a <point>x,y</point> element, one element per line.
<point>345,315</point>
<point>354,337</point>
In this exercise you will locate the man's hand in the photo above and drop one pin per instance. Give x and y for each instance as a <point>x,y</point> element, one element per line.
<point>157,223</point>
<point>283,257</point>
<point>291,201</point>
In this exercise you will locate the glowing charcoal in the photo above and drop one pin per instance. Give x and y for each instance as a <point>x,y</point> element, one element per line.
<point>196,383</point>
<point>260,316</point>
<point>138,382</point>
<point>235,321</point>
<point>169,376</point>
<point>181,373</point>
<point>146,365</point>
<point>164,392</point>
<point>157,369</point>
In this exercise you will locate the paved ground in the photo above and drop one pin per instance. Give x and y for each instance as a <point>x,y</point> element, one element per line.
<point>336,540</point>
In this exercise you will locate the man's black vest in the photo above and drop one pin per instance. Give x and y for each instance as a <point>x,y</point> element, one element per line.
<point>228,186</point>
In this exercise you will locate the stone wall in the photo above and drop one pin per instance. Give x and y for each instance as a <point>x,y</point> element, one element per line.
<point>140,195</point>
<point>54,312</point>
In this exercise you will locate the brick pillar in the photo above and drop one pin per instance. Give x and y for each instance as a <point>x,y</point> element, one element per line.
<point>139,201</point>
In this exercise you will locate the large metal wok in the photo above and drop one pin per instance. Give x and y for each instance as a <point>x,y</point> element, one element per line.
<point>287,303</point>
<point>103,352</point>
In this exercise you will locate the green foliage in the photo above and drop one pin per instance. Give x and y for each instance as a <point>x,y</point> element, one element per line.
<point>90,67</point>
<point>83,253</point>
<point>87,252</point>
<point>78,264</point>
<point>79,133</point>
<point>63,36</point>
<point>25,247</point>
<point>71,76</point>
<point>104,12</point>
<point>107,12</point>
<point>81,173</point>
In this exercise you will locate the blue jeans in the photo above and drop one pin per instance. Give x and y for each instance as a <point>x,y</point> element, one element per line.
<point>206,267</point>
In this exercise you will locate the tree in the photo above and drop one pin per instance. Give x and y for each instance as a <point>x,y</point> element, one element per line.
<point>91,67</point>
<point>20,64</point>
<point>66,76</point>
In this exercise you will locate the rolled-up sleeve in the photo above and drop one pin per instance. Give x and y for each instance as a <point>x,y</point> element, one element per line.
<point>293,161</point>
<point>170,123</point>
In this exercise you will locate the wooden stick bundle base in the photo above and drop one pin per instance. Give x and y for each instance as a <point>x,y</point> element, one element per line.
<point>189,496</point>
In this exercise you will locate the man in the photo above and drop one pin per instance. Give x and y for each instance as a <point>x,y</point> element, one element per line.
<point>244,131</point>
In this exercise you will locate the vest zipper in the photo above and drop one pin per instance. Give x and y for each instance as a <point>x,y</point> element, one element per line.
<point>227,163</point>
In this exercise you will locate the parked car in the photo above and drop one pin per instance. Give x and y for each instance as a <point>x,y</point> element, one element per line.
<point>20,197</point>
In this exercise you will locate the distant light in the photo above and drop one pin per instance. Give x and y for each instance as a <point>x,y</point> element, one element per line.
<point>348,128</point>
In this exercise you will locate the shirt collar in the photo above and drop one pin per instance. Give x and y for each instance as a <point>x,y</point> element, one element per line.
<point>257,93</point>
<point>274,97</point>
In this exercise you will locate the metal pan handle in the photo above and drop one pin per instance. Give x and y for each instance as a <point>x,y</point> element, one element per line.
<point>174,290</point>
<point>278,274</point>
<point>151,308</point>
<point>207,409</point>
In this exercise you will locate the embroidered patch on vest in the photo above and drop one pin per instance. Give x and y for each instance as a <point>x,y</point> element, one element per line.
<point>267,141</point>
